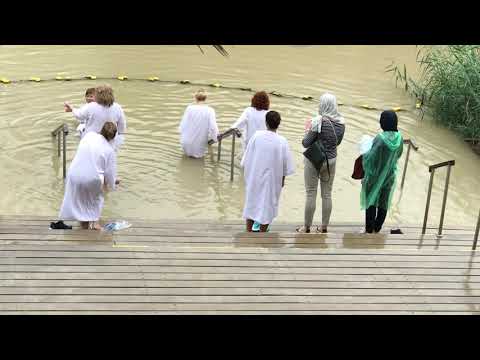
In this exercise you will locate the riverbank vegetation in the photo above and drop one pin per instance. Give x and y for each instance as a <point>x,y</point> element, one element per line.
<point>447,87</point>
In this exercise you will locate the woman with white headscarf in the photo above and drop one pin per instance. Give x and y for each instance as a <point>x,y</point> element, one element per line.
<point>329,128</point>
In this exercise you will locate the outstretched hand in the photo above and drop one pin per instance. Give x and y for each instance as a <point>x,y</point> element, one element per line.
<point>67,107</point>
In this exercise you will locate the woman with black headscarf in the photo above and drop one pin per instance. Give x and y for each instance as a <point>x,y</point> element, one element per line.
<point>380,168</point>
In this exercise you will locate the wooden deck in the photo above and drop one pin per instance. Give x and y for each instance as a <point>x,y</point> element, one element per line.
<point>193,267</point>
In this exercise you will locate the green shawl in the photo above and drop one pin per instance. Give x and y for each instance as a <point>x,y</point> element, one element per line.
<point>380,168</point>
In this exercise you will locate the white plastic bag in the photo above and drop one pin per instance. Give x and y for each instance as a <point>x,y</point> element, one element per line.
<point>117,225</point>
<point>365,144</point>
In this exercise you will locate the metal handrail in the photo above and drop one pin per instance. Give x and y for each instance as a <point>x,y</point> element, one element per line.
<point>234,133</point>
<point>62,129</point>
<point>431,169</point>
<point>477,230</point>
<point>411,144</point>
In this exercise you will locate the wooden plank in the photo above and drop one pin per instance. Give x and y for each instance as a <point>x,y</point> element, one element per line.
<point>236,270</point>
<point>270,256</point>
<point>434,295</point>
<point>309,280</point>
<point>149,306</point>
<point>302,302</point>
<point>241,263</point>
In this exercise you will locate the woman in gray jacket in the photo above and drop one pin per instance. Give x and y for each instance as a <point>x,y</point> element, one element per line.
<point>329,128</point>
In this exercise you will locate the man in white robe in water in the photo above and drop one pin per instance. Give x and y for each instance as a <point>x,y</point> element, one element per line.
<point>266,162</point>
<point>198,127</point>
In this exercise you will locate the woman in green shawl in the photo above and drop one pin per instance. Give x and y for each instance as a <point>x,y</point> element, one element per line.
<point>380,168</point>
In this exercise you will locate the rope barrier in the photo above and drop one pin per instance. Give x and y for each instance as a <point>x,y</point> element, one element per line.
<point>6,81</point>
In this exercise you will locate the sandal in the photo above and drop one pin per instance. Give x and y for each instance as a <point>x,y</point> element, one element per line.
<point>302,229</point>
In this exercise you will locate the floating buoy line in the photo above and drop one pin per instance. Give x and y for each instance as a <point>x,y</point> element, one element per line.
<point>34,79</point>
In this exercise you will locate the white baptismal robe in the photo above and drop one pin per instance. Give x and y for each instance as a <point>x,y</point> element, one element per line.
<point>93,165</point>
<point>94,116</point>
<point>249,122</point>
<point>266,161</point>
<point>197,127</point>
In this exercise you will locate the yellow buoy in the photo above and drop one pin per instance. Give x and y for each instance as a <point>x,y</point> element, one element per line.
<point>91,77</point>
<point>36,79</point>
<point>418,105</point>
<point>339,103</point>
<point>217,85</point>
<point>122,78</point>
<point>59,78</point>
<point>397,109</point>
<point>366,106</point>
<point>68,78</point>
<point>154,78</point>
<point>184,81</point>
<point>4,81</point>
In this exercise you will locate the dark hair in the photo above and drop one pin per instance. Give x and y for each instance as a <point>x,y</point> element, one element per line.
<point>109,130</point>
<point>90,91</point>
<point>273,120</point>
<point>389,120</point>
<point>260,101</point>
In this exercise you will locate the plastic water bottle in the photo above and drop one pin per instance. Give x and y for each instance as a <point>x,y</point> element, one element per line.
<point>117,225</point>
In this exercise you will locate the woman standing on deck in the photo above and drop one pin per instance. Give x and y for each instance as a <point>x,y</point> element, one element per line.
<point>92,171</point>
<point>380,168</point>
<point>329,128</point>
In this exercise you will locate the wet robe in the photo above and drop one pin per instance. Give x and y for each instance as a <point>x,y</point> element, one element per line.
<point>249,122</point>
<point>267,159</point>
<point>380,167</point>
<point>93,166</point>
<point>94,116</point>
<point>197,127</point>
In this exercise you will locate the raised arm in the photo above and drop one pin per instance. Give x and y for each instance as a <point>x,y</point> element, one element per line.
<point>212,127</point>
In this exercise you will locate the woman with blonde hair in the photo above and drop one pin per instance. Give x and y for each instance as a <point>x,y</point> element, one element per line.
<point>96,114</point>
<point>92,171</point>
<point>198,127</point>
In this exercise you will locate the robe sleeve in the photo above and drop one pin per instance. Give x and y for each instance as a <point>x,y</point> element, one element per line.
<point>212,127</point>
<point>288,163</point>
<point>122,121</point>
<point>242,121</point>
<point>81,114</point>
<point>246,155</point>
<point>184,120</point>
<point>111,170</point>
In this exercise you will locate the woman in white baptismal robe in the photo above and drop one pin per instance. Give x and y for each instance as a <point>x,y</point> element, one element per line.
<point>97,113</point>
<point>198,127</point>
<point>92,171</point>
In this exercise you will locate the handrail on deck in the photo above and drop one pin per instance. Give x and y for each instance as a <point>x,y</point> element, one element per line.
<point>477,230</point>
<point>58,132</point>
<point>234,133</point>
<point>411,144</point>
<point>431,169</point>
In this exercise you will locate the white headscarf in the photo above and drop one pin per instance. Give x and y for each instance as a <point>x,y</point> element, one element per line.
<point>327,108</point>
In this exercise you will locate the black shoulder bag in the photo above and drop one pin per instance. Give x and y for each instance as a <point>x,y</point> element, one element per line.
<point>317,154</point>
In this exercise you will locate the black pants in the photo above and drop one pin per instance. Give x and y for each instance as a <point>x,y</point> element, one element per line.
<point>374,219</point>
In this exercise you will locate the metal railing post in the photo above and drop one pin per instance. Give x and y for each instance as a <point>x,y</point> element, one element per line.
<point>59,144</point>
<point>233,156</point>
<point>428,202</point>
<point>477,230</point>
<point>444,202</point>
<point>219,149</point>
<point>406,164</point>
<point>65,132</point>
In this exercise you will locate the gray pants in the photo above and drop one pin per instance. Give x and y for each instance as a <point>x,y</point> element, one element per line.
<point>311,185</point>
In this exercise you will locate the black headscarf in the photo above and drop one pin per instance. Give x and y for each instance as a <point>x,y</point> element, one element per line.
<point>389,121</point>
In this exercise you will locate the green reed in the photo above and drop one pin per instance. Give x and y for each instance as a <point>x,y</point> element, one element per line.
<point>448,86</point>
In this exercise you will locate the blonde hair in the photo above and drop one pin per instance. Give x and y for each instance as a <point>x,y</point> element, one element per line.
<point>109,130</point>
<point>104,95</point>
<point>201,95</point>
